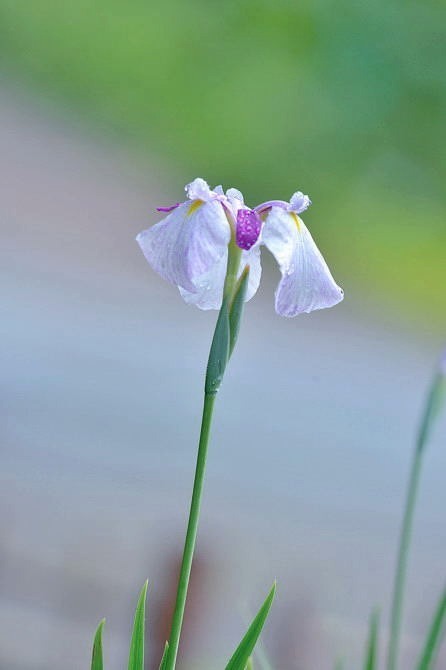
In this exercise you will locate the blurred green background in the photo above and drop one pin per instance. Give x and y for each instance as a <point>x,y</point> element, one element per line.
<point>343,100</point>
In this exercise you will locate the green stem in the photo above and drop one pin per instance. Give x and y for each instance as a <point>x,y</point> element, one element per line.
<point>401,565</point>
<point>234,257</point>
<point>191,534</point>
<point>218,358</point>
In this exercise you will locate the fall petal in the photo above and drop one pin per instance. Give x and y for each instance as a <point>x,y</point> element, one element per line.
<point>307,283</point>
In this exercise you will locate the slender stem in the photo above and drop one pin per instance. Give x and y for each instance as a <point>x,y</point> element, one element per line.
<point>191,534</point>
<point>218,358</point>
<point>401,565</point>
<point>234,257</point>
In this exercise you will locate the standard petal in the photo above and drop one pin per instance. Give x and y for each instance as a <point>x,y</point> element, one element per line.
<point>307,283</point>
<point>235,194</point>
<point>187,243</point>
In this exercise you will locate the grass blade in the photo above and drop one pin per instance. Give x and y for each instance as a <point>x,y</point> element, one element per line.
<point>434,637</point>
<point>241,655</point>
<point>136,655</point>
<point>250,664</point>
<point>96,656</point>
<point>432,408</point>
<point>371,657</point>
<point>434,403</point>
<point>163,663</point>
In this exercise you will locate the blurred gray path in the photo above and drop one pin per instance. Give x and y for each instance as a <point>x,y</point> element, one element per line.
<point>101,377</point>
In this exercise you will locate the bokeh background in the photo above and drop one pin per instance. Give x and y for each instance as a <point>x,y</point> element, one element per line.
<point>106,110</point>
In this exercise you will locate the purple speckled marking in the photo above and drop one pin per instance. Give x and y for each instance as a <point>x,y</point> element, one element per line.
<point>248,228</point>
<point>168,209</point>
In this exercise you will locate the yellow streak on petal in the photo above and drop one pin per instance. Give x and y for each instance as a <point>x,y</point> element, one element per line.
<point>195,204</point>
<point>296,220</point>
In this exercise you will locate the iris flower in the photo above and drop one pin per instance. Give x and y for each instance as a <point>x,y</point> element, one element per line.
<point>191,247</point>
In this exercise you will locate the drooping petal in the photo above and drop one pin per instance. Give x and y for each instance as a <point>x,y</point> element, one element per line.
<point>208,290</point>
<point>188,242</point>
<point>307,283</point>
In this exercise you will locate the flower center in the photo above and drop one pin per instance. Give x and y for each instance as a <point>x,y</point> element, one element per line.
<point>248,228</point>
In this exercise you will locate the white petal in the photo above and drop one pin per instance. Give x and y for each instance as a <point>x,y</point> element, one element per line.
<point>235,194</point>
<point>252,258</point>
<point>207,292</point>
<point>307,283</point>
<point>199,189</point>
<point>208,289</point>
<point>235,201</point>
<point>299,202</point>
<point>187,243</point>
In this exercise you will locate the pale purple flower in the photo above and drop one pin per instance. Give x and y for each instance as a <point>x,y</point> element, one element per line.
<point>189,248</point>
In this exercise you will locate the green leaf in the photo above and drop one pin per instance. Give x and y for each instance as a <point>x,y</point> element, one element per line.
<point>434,637</point>
<point>241,655</point>
<point>250,664</point>
<point>96,657</point>
<point>163,664</point>
<point>371,657</point>
<point>236,311</point>
<point>136,655</point>
<point>218,356</point>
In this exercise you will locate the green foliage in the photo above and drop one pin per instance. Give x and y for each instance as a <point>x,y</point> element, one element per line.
<point>163,664</point>
<point>136,655</point>
<point>218,355</point>
<point>97,662</point>
<point>431,410</point>
<point>240,658</point>
<point>433,406</point>
<point>371,658</point>
<point>434,637</point>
